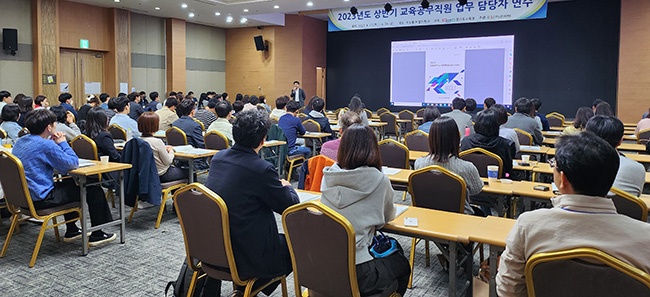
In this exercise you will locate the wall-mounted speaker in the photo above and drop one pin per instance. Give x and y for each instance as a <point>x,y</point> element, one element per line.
<point>10,40</point>
<point>260,44</point>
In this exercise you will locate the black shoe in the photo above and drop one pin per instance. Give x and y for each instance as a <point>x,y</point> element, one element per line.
<point>96,240</point>
<point>71,236</point>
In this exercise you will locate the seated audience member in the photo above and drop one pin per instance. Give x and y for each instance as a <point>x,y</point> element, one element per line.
<point>259,250</point>
<point>263,104</point>
<point>225,96</point>
<point>582,117</point>
<point>10,114</point>
<point>279,110</point>
<point>135,108</point>
<point>522,120</point>
<point>5,98</point>
<point>237,106</point>
<point>631,174</point>
<point>462,119</point>
<point>97,130</point>
<point>155,104</point>
<point>430,114</point>
<point>143,99</point>
<point>26,104</point>
<point>504,132</point>
<point>604,109</point>
<point>207,114</point>
<point>163,154</point>
<point>65,123</point>
<point>356,188</point>
<point>167,114</point>
<point>487,103</point>
<point>103,98</point>
<point>252,103</point>
<point>330,149</point>
<point>643,124</point>
<point>46,150</point>
<point>595,104</point>
<point>444,143</point>
<point>110,111</point>
<point>470,108</point>
<point>585,168</point>
<point>487,137</point>
<point>222,123</point>
<point>91,102</point>
<point>121,118</point>
<point>537,104</point>
<point>292,127</point>
<point>65,100</point>
<point>356,105</point>
<point>317,115</point>
<point>191,128</point>
<point>41,102</point>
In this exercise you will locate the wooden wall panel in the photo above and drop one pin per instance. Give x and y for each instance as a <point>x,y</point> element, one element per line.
<point>176,57</point>
<point>80,21</point>
<point>289,59</point>
<point>46,45</point>
<point>634,60</point>
<point>123,46</point>
<point>314,52</point>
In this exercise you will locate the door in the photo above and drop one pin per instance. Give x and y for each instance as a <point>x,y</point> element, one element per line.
<point>321,76</point>
<point>83,74</point>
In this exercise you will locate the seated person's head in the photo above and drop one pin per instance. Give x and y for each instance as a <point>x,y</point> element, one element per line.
<point>96,122</point>
<point>604,109</point>
<point>293,106</point>
<point>430,113</point>
<point>281,102</point>
<point>60,112</point>
<point>523,105</point>
<point>103,97</point>
<point>171,102</point>
<point>470,104</point>
<point>38,121</point>
<point>585,164</point>
<point>608,128</point>
<point>487,123</point>
<point>250,128</point>
<point>148,123</point>
<point>502,113</point>
<point>348,119</point>
<point>444,139</point>
<point>212,103</point>
<point>358,148</point>
<point>317,104</point>
<point>595,103</point>
<point>133,96</point>
<point>11,113</point>
<point>458,103</point>
<point>488,102</point>
<point>237,106</point>
<point>121,104</point>
<point>65,97</point>
<point>582,117</point>
<point>186,107</point>
<point>154,96</point>
<point>254,100</point>
<point>537,104</point>
<point>223,109</point>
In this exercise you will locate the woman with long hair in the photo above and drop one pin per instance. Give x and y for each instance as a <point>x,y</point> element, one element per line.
<point>582,117</point>
<point>97,130</point>
<point>356,105</point>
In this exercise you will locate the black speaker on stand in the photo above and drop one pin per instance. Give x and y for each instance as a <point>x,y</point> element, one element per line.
<point>10,40</point>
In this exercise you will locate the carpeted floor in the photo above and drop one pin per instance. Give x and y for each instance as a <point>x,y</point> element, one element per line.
<point>142,266</point>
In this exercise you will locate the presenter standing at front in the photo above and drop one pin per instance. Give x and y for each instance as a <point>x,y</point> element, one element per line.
<point>297,94</point>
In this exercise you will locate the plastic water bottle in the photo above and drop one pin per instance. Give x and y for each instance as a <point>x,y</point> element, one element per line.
<point>467,131</point>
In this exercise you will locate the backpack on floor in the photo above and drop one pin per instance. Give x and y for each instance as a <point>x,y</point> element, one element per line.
<point>205,286</point>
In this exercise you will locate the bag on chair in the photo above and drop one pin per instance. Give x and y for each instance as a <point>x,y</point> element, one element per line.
<point>205,286</point>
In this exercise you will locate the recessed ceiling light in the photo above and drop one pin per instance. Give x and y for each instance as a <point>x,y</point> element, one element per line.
<point>243,20</point>
<point>217,13</point>
<point>117,0</point>
<point>346,0</point>
<point>184,5</point>
<point>245,9</point>
<point>310,3</point>
<point>157,8</point>
<point>229,19</point>
<point>276,6</point>
<point>191,14</point>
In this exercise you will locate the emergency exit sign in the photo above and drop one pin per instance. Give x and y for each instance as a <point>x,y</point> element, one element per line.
<point>83,43</point>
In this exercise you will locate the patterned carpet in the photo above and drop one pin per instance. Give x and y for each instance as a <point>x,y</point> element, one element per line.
<point>140,267</point>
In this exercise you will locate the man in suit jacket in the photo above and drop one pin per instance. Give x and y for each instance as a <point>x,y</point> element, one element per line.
<point>522,120</point>
<point>300,97</point>
<point>252,191</point>
<point>191,128</point>
<point>462,119</point>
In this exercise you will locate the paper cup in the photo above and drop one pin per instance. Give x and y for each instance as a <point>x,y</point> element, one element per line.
<point>493,173</point>
<point>525,158</point>
<point>104,160</point>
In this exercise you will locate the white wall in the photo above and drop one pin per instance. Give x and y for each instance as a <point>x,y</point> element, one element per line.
<point>148,53</point>
<point>16,72</point>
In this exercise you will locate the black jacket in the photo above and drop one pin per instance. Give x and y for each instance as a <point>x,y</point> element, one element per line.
<point>252,191</point>
<point>500,146</point>
<point>106,146</point>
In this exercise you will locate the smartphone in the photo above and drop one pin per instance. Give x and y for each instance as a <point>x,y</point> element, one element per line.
<point>541,188</point>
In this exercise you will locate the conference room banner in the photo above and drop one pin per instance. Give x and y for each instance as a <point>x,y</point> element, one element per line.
<point>438,13</point>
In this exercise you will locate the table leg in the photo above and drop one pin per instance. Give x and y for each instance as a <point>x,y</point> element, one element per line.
<point>120,177</point>
<point>469,264</point>
<point>191,177</point>
<point>313,147</point>
<point>278,161</point>
<point>84,215</point>
<point>452,268</point>
<point>494,254</point>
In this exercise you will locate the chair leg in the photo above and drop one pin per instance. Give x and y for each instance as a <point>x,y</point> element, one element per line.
<point>427,256</point>
<point>249,288</point>
<point>165,195</point>
<point>110,196</point>
<point>190,289</point>
<point>290,171</point>
<point>284,286</point>
<point>38,243</point>
<point>133,209</point>
<point>56,230</point>
<point>14,223</point>
<point>414,243</point>
<point>404,196</point>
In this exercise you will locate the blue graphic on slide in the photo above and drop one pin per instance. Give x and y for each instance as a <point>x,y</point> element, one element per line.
<point>438,82</point>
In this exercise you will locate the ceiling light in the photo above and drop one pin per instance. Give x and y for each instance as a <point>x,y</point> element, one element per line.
<point>184,5</point>
<point>245,9</point>
<point>191,14</point>
<point>310,3</point>
<point>117,0</point>
<point>425,4</point>
<point>276,6</point>
<point>346,0</point>
<point>243,20</point>
<point>389,7</point>
<point>157,8</point>
<point>217,13</point>
<point>229,19</point>
<point>353,10</point>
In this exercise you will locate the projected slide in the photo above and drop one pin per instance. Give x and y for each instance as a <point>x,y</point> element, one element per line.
<point>434,72</point>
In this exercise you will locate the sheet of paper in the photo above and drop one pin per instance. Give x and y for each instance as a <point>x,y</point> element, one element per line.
<point>390,171</point>
<point>160,133</point>
<point>199,151</point>
<point>85,163</point>
<point>400,208</point>
<point>530,147</point>
<point>92,88</point>
<point>124,87</point>
<point>304,197</point>
<point>183,148</point>
<point>64,87</point>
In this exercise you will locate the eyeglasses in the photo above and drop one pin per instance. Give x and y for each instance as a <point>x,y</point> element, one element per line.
<point>552,163</point>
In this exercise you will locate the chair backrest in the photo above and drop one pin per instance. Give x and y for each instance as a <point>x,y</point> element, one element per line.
<point>524,137</point>
<point>435,187</point>
<point>481,158</point>
<point>556,114</point>
<point>417,140</point>
<point>394,154</point>
<point>14,184</point>
<point>215,140</point>
<point>643,136</point>
<point>303,117</point>
<point>117,132</point>
<point>583,272</point>
<point>3,134</point>
<point>382,110</point>
<point>407,115</point>
<point>200,123</point>
<point>322,247</point>
<point>391,120</point>
<point>629,205</point>
<point>84,147</point>
<point>23,132</point>
<point>420,112</point>
<point>175,136</point>
<point>198,207</point>
<point>311,126</point>
<point>554,120</point>
<point>368,112</point>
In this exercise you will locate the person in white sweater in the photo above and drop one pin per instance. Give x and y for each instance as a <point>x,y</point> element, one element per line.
<point>584,170</point>
<point>163,155</point>
<point>356,188</point>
